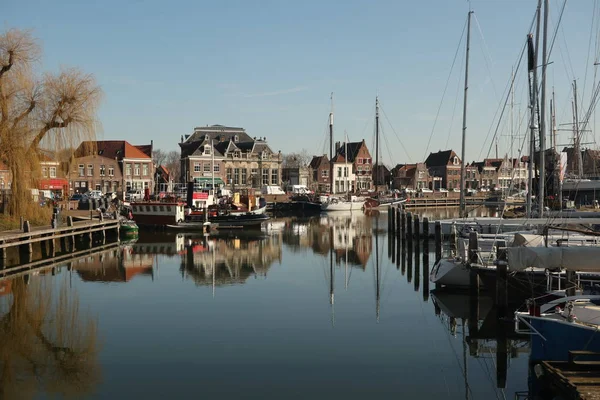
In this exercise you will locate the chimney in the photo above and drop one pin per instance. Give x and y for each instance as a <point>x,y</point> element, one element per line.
<point>337,146</point>
<point>181,139</point>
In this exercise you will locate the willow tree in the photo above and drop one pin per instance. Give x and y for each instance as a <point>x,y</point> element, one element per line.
<point>39,112</point>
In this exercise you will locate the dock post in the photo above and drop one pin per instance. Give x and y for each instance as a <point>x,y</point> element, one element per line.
<point>27,228</point>
<point>398,222</point>
<point>425,258</point>
<point>392,219</point>
<point>403,224</point>
<point>409,255</point>
<point>425,235</point>
<point>438,241</point>
<point>390,208</point>
<point>417,230</point>
<point>71,245</point>
<point>409,229</point>
<point>52,247</point>
<point>473,322</point>
<point>473,247</point>
<point>501,280</point>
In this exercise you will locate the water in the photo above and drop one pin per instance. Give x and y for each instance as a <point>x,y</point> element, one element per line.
<point>281,317</point>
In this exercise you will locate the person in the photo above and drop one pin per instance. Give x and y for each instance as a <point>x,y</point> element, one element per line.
<point>130,214</point>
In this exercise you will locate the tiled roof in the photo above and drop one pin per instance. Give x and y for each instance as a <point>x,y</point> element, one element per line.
<point>218,133</point>
<point>317,161</point>
<point>352,148</point>
<point>145,148</point>
<point>440,158</point>
<point>117,149</point>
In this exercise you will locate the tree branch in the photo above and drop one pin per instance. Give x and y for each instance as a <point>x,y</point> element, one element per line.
<point>24,114</point>
<point>46,128</point>
<point>7,67</point>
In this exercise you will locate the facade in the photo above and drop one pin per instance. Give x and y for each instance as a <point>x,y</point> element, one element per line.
<point>383,175</point>
<point>320,168</point>
<point>111,166</point>
<point>360,158</point>
<point>472,177</point>
<point>410,176</point>
<point>163,180</point>
<point>53,176</point>
<point>236,160</point>
<point>444,169</point>
<point>344,179</point>
<point>296,176</point>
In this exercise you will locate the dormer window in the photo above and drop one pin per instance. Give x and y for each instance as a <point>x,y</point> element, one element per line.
<point>207,149</point>
<point>264,155</point>
<point>455,160</point>
<point>236,138</point>
<point>236,154</point>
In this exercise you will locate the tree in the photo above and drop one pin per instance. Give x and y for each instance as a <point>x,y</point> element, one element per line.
<point>159,157</point>
<point>173,164</point>
<point>51,112</point>
<point>296,160</point>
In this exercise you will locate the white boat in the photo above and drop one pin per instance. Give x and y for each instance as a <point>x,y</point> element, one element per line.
<point>339,204</point>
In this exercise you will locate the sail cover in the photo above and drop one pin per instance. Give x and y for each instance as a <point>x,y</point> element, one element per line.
<point>584,259</point>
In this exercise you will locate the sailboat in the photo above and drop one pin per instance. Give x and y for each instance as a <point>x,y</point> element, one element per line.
<point>337,203</point>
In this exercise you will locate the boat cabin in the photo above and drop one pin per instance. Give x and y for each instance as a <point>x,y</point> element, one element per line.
<point>157,213</point>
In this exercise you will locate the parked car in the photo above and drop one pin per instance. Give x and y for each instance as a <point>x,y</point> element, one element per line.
<point>95,194</point>
<point>134,194</point>
<point>425,190</point>
<point>484,189</point>
<point>409,191</point>
<point>443,190</point>
<point>77,197</point>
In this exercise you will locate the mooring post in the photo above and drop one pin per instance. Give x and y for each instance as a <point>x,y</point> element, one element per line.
<point>417,230</point>
<point>72,236</point>
<point>425,235</point>
<point>438,241</point>
<point>409,254</point>
<point>398,226</point>
<point>501,279</point>
<point>409,229</point>
<point>27,228</point>
<point>403,224</point>
<point>473,247</point>
<point>390,218</point>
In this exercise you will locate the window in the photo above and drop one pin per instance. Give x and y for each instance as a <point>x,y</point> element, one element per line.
<point>83,184</point>
<point>90,170</point>
<point>81,170</point>
<point>254,172</point>
<point>339,172</point>
<point>244,176</point>
<point>98,187</point>
<point>206,167</point>
<point>128,169</point>
<point>44,172</point>
<point>111,171</point>
<point>421,174</point>
<point>136,169</point>
<point>217,168</point>
<point>274,177</point>
<point>76,184</point>
<point>207,149</point>
<point>236,138</point>
<point>229,173</point>
<point>197,167</point>
<point>161,208</point>
<point>102,170</point>
<point>265,176</point>
<point>359,160</point>
<point>264,155</point>
<point>324,173</point>
<point>455,160</point>
<point>145,169</point>
<point>236,154</point>
<point>52,172</point>
<point>236,176</point>
<point>345,172</point>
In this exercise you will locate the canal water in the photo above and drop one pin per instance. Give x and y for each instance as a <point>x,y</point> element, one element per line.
<point>307,308</point>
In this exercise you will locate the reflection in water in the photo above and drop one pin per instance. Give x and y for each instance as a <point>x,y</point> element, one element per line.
<point>46,344</point>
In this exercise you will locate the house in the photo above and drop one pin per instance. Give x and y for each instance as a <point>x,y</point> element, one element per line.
<point>320,167</point>
<point>472,176</point>
<point>358,155</point>
<point>444,169</point>
<point>163,180</point>
<point>296,176</point>
<point>410,176</point>
<point>112,166</point>
<point>344,178</point>
<point>237,160</point>
<point>53,176</point>
<point>383,175</point>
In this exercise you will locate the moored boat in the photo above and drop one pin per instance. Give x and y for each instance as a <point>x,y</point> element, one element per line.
<point>157,213</point>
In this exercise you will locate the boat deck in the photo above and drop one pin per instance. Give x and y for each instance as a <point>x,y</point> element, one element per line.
<point>577,378</point>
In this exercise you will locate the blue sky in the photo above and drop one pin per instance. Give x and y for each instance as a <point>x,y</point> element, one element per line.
<point>270,66</point>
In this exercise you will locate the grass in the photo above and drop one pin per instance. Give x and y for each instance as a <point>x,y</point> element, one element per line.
<point>34,213</point>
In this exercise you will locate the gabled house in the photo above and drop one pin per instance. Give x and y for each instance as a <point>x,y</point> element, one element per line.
<point>320,168</point>
<point>112,166</point>
<point>240,161</point>
<point>357,154</point>
<point>163,180</point>
<point>444,169</point>
<point>344,179</point>
<point>52,175</point>
<point>410,176</point>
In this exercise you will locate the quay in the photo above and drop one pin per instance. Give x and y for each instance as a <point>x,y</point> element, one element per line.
<point>24,238</point>
<point>573,379</point>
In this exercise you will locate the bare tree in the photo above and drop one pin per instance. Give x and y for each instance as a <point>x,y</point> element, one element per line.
<point>53,112</point>
<point>173,164</point>
<point>296,160</point>
<point>159,157</point>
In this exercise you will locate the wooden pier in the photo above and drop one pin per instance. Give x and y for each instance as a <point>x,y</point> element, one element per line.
<point>441,202</point>
<point>574,379</point>
<point>24,239</point>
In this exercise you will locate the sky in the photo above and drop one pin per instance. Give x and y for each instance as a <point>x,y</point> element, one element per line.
<point>271,66</point>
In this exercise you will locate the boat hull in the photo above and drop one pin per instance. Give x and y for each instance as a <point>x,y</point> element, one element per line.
<point>450,273</point>
<point>342,206</point>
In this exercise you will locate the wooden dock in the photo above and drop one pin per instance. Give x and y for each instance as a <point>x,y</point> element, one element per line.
<point>25,238</point>
<point>441,202</point>
<point>574,379</point>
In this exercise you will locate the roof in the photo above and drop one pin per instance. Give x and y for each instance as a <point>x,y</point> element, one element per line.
<point>352,148</point>
<point>218,133</point>
<point>439,159</point>
<point>117,149</point>
<point>317,161</point>
<point>145,148</point>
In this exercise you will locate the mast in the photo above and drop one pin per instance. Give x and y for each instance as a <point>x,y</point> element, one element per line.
<point>556,155</point>
<point>531,55</point>
<point>377,275</point>
<point>331,147</point>
<point>212,166</point>
<point>346,171</point>
<point>576,142</point>
<point>464,127</point>
<point>376,142</point>
<point>512,104</point>
<point>542,133</point>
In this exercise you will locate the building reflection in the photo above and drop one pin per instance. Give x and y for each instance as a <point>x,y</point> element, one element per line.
<point>348,234</point>
<point>229,258</point>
